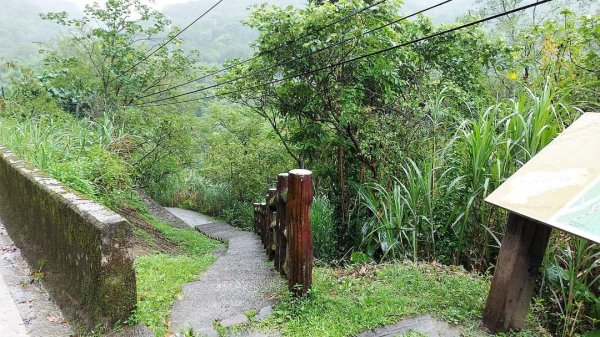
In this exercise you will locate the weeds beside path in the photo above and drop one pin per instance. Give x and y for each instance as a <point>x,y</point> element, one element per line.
<point>160,276</point>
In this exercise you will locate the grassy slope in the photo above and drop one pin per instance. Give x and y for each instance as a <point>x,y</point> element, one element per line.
<point>345,302</point>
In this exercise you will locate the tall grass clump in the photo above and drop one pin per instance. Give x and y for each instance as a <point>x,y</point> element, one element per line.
<point>323,230</point>
<point>408,219</point>
<point>572,283</point>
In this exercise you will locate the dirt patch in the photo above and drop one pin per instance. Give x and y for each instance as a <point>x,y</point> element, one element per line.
<point>149,240</point>
<point>365,270</point>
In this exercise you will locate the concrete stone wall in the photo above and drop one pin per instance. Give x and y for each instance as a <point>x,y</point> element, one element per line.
<point>81,246</point>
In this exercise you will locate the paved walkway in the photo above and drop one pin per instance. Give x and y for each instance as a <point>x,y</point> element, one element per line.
<point>239,281</point>
<point>11,323</point>
<point>25,307</point>
<point>425,325</point>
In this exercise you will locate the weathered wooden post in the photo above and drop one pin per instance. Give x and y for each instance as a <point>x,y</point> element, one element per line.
<point>271,206</point>
<point>300,246</point>
<point>256,207</point>
<point>261,225</point>
<point>517,270</point>
<point>280,226</point>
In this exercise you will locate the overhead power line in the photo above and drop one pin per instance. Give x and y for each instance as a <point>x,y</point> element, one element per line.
<point>268,51</point>
<point>378,52</point>
<point>162,45</point>
<point>339,43</point>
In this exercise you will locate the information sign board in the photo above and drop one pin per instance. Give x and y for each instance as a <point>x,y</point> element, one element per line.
<point>560,186</point>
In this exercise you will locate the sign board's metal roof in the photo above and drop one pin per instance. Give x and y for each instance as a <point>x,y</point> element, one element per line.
<point>560,186</point>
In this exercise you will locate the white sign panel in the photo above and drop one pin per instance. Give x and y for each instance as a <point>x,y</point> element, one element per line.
<point>560,186</point>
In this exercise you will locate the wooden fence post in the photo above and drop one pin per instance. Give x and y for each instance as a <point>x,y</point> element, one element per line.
<point>516,273</point>
<point>300,246</point>
<point>256,207</point>
<point>280,226</point>
<point>261,223</point>
<point>270,227</point>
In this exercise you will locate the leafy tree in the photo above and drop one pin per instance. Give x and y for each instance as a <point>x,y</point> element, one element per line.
<point>105,62</point>
<point>343,122</point>
<point>240,150</point>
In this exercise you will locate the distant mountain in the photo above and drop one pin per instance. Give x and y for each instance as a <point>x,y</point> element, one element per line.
<point>220,35</point>
<point>21,26</point>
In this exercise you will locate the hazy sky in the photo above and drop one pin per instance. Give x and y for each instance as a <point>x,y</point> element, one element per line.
<point>446,14</point>
<point>159,4</point>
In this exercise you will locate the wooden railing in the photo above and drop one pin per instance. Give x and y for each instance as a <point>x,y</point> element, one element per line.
<point>283,223</point>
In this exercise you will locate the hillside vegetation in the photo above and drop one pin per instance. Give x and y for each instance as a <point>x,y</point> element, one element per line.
<point>404,144</point>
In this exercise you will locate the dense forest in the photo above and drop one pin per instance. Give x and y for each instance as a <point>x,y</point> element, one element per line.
<point>404,144</point>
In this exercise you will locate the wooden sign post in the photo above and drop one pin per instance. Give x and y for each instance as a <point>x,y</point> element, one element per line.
<point>558,188</point>
<point>517,270</point>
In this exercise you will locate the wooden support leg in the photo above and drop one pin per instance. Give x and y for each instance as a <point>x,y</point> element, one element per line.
<point>256,217</point>
<point>517,270</point>
<point>300,247</point>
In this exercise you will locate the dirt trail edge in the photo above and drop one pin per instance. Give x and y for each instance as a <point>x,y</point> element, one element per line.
<point>240,280</point>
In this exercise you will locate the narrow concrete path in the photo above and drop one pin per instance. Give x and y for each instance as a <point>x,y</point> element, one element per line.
<point>426,325</point>
<point>240,280</point>
<point>11,323</point>
<point>25,307</point>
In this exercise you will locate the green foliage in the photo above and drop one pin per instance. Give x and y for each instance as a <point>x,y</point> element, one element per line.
<point>443,216</point>
<point>157,143</point>
<point>54,143</point>
<point>240,150</point>
<point>105,158</point>
<point>239,157</point>
<point>411,219</point>
<point>322,226</point>
<point>404,146</point>
<point>343,122</point>
<point>104,62</point>
<point>571,271</point>
<point>436,207</point>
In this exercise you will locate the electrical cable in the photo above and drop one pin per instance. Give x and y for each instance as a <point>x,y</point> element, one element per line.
<point>284,44</point>
<point>381,51</point>
<point>344,41</point>
<point>162,45</point>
